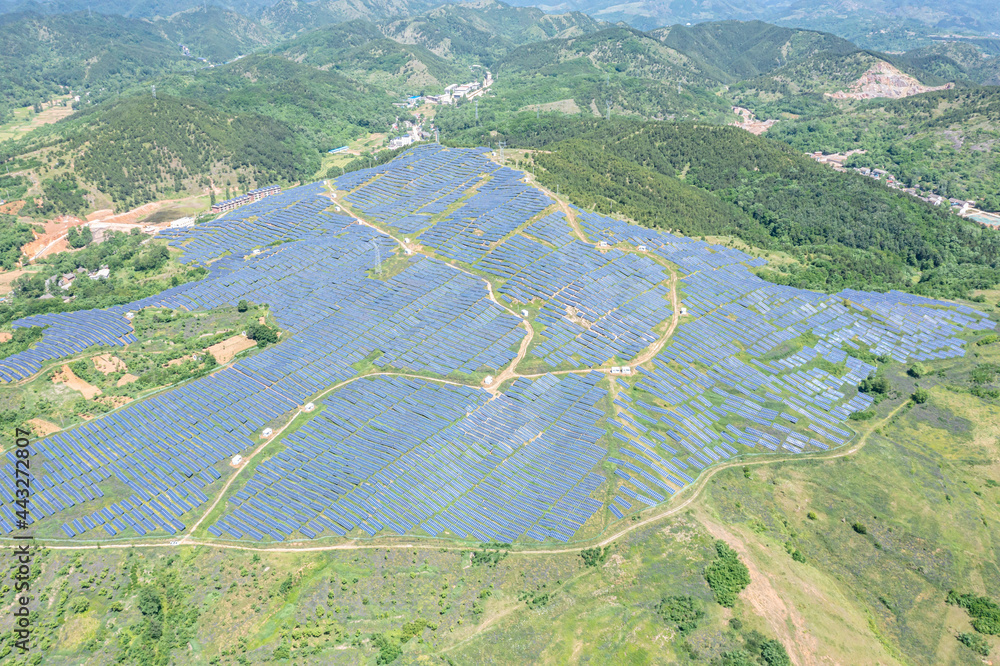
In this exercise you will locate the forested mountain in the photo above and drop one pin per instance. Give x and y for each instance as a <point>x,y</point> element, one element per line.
<point>292,16</point>
<point>734,50</point>
<point>260,120</point>
<point>485,29</point>
<point>956,61</point>
<point>359,50</point>
<point>44,56</point>
<point>334,83</point>
<point>129,8</point>
<point>218,35</point>
<point>846,230</point>
<point>885,24</point>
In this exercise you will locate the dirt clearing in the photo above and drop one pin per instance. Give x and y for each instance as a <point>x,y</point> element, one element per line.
<point>67,377</point>
<point>7,280</point>
<point>127,378</point>
<point>41,427</point>
<point>224,351</point>
<point>106,364</point>
<point>563,106</point>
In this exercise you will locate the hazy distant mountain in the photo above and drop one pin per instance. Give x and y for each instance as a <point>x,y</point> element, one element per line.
<point>847,18</point>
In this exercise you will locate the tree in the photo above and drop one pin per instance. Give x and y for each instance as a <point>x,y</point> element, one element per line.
<point>263,334</point>
<point>920,396</point>
<point>917,370</point>
<point>242,306</point>
<point>149,602</point>
<point>727,575</point>
<point>875,384</point>
<point>684,612</point>
<point>78,238</point>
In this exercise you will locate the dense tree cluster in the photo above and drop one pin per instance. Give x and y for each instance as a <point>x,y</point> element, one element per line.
<point>13,236</point>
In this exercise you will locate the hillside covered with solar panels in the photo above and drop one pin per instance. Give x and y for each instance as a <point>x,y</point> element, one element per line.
<point>461,356</point>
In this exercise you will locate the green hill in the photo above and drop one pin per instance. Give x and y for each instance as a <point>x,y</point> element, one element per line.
<point>259,120</point>
<point>956,61</point>
<point>358,50</point>
<point>43,56</point>
<point>216,34</point>
<point>289,17</point>
<point>139,148</point>
<point>485,29</point>
<point>735,50</point>
<point>322,107</point>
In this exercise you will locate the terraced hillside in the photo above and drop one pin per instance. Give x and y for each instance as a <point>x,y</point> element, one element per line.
<point>465,356</point>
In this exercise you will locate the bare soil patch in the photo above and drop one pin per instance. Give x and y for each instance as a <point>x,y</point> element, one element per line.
<point>563,106</point>
<point>5,336</point>
<point>43,427</point>
<point>884,80</point>
<point>224,351</point>
<point>53,238</point>
<point>127,378</point>
<point>7,281</point>
<point>69,378</point>
<point>12,207</point>
<point>106,364</point>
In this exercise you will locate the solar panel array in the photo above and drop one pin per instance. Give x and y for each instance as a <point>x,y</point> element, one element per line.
<point>406,454</point>
<point>65,334</point>
<point>752,367</point>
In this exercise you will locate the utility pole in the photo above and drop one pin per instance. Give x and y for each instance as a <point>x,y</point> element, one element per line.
<point>502,144</point>
<point>609,109</point>
<point>437,135</point>
<point>477,110</point>
<point>154,92</point>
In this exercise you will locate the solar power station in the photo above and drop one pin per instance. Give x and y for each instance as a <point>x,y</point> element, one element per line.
<point>419,445</point>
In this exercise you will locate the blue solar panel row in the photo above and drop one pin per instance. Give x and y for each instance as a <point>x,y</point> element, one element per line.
<point>753,366</point>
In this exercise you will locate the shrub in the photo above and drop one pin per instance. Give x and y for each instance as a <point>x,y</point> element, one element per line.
<point>684,612</point>
<point>811,515</point>
<point>773,653</point>
<point>865,415</point>
<point>875,384</point>
<point>263,334</point>
<point>985,613</point>
<point>595,557</point>
<point>79,604</point>
<point>727,575</point>
<point>859,528</point>
<point>917,370</point>
<point>976,643</point>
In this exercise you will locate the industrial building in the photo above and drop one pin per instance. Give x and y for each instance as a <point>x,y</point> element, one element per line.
<point>249,197</point>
